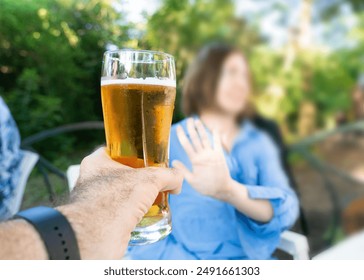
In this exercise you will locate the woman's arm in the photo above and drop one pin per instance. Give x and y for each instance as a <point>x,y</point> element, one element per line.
<point>237,195</point>
<point>211,176</point>
<point>263,210</point>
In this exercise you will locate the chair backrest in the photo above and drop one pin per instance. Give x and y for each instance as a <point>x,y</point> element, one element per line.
<point>73,172</point>
<point>26,166</point>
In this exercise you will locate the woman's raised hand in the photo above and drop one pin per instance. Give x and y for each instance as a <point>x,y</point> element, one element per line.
<point>210,174</point>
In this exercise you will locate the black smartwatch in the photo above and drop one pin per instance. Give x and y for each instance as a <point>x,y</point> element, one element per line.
<point>55,231</point>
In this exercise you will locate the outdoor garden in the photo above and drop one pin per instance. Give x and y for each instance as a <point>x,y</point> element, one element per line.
<point>307,65</point>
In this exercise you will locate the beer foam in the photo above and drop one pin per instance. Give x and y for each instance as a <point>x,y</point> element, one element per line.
<point>141,81</point>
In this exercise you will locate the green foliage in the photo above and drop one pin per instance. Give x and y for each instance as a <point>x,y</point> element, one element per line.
<point>51,53</point>
<point>325,79</point>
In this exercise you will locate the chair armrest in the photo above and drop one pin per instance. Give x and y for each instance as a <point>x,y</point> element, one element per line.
<point>27,164</point>
<point>294,244</point>
<point>73,172</point>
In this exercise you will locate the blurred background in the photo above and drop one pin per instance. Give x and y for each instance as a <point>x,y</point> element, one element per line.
<point>307,59</point>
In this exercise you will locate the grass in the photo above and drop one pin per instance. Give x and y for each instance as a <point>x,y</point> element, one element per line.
<point>36,192</point>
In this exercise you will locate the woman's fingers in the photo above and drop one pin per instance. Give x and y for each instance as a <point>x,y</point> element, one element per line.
<point>195,139</point>
<point>187,174</point>
<point>217,141</point>
<point>203,135</point>
<point>185,143</point>
<point>198,135</point>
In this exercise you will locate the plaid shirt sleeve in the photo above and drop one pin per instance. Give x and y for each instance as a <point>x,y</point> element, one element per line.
<point>10,159</point>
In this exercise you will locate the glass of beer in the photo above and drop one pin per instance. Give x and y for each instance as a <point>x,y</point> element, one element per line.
<point>138,90</point>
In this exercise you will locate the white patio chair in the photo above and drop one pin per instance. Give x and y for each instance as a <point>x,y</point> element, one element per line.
<point>292,243</point>
<point>26,166</point>
<point>73,172</point>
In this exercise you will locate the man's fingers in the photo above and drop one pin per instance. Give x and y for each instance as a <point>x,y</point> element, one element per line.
<point>185,143</point>
<point>169,179</point>
<point>183,169</point>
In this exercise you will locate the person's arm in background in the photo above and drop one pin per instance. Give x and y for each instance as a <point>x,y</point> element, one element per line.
<point>107,203</point>
<point>10,159</point>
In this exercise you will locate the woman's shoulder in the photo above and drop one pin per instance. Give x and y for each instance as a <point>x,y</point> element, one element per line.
<point>252,132</point>
<point>255,138</point>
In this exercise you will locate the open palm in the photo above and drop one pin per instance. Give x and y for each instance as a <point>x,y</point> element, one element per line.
<point>210,174</point>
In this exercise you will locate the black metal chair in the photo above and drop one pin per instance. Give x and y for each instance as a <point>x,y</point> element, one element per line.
<point>301,148</point>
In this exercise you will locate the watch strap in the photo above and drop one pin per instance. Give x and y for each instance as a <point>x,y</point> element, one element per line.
<point>55,231</point>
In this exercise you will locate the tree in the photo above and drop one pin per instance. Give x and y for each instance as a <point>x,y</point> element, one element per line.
<point>51,54</point>
<point>182,27</point>
<point>51,61</point>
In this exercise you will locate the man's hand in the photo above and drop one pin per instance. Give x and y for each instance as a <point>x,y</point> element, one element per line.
<point>110,199</point>
<point>107,203</point>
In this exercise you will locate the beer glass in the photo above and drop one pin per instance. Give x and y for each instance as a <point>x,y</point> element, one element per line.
<point>138,90</point>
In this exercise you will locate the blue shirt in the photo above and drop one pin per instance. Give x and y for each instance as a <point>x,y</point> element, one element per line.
<point>206,228</point>
<point>10,159</point>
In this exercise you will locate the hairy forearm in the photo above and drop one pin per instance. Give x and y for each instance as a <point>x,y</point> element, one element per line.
<point>93,231</point>
<point>19,240</point>
<point>258,209</point>
<point>106,205</point>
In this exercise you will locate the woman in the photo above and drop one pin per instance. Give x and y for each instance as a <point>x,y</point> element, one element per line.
<point>236,199</point>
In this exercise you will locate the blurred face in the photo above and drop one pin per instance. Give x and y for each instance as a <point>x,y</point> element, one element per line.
<point>233,86</point>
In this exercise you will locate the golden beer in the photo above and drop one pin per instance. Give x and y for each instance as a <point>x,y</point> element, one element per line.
<point>137,117</point>
<point>138,90</point>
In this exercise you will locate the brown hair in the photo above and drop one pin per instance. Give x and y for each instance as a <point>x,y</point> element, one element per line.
<point>202,76</point>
